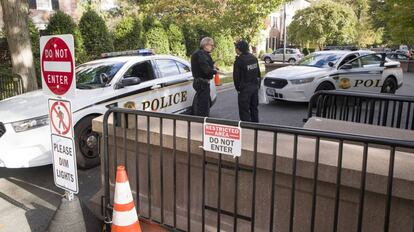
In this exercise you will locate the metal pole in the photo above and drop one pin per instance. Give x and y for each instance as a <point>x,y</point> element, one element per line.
<point>284,32</point>
<point>69,195</point>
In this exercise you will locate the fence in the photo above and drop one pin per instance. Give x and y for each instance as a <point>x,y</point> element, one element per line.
<point>10,86</point>
<point>287,179</point>
<point>370,108</point>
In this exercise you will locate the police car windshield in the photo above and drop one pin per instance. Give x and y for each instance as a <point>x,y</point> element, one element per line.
<point>320,60</point>
<point>96,75</point>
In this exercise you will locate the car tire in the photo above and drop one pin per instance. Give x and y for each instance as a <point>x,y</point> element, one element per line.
<point>291,61</point>
<point>389,86</point>
<point>267,60</point>
<point>86,144</point>
<point>325,86</point>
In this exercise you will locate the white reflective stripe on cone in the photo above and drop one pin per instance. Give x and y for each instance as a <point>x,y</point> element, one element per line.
<point>123,193</point>
<point>124,218</point>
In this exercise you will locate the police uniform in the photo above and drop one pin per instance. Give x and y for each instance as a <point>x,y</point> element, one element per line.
<point>246,75</point>
<point>202,67</point>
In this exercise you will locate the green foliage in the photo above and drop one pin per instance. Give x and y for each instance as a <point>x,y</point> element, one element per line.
<point>224,52</point>
<point>269,50</point>
<point>398,21</point>
<point>261,53</point>
<point>176,40</point>
<point>157,39</point>
<point>95,34</point>
<point>305,51</point>
<point>128,34</point>
<point>325,22</point>
<point>193,35</point>
<point>34,38</point>
<point>150,22</point>
<point>61,23</point>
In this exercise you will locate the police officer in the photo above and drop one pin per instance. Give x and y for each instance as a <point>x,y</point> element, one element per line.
<point>203,69</point>
<point>246,76</point>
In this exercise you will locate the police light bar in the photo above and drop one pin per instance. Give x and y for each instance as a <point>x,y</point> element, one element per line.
<point>138,52</point>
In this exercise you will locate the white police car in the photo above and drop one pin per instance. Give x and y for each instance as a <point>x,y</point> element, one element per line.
<point>327,70</point>
<point>156,82</point>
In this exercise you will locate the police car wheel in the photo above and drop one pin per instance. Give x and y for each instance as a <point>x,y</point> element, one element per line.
<point>87,144</point>
<point>389,86</point>
<point>267,60</point>
<point>325,86</point>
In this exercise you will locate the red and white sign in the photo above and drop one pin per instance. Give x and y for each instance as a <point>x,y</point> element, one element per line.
<point>57,61</point>
<point>222,139</point>
<point>60,115</point>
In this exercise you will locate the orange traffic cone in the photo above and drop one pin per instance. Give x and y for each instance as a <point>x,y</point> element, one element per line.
<point>217,79</point>
<point>124,217</point>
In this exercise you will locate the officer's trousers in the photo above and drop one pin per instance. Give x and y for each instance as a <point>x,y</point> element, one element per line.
<point>201,105</point>
<point>248,103</point>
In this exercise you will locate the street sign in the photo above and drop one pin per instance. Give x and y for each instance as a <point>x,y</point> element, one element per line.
<point>222,139</point>
<point>64,163</point>
<point>57,62</point>
<point>60,117</point>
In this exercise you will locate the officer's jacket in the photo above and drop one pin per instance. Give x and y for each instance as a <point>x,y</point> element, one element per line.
<point>246,71</point>
<point>202,65</point>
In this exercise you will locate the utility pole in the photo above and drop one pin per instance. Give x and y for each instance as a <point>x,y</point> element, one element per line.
<point>284,32</point>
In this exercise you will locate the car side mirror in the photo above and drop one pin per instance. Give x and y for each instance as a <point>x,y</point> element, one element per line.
<point>128,81</point>
<point>346,66</point>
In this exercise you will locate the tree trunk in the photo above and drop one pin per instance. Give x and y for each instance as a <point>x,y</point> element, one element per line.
<point>15,18</point>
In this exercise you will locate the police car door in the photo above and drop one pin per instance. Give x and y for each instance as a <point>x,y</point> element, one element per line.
<point>135,84</point>
<point>369,76</point>
<point>176,92</point>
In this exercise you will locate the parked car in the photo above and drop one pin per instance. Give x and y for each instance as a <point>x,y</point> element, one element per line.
<point>404,52</point>
<point>397,56</point>
<point>160,83</point>
<point>327,70</point>
<point>292,56</point>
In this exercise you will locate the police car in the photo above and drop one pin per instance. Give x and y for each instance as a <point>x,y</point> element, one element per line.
<point>327,70</point>
<point>159,83</point>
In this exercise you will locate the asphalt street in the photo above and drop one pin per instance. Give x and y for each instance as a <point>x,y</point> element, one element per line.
<point>29,198</point>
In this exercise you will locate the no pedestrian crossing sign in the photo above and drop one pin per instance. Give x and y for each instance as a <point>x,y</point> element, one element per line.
<point>222,139</point>
<point>57,61</point>
<point>63,148</point>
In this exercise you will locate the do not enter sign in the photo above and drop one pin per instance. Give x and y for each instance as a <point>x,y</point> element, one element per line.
<point>58,64</point>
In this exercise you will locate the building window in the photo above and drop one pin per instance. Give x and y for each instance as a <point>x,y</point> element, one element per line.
<point>44,4</point>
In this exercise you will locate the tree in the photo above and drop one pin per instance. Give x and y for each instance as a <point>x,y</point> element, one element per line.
<point>95,34</point>
<point>176,40</point>
<point>61,23</point>
<point>398,21</point>
<point>157,39</point>
<point>128,34</point>
<point>224,52</point>
<point>325,22</point>
<point>15,20</point>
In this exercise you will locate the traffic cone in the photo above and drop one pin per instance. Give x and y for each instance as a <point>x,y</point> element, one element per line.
<point>124,217</point>
<point>217,79</point>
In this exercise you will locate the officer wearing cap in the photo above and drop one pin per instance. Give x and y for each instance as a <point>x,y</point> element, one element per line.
<point>246,76</point>
<point>203,69</point>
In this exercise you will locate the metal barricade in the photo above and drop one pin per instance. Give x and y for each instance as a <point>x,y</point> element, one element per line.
<point>126,124</point>
<point>10,86</point>
<point>369,108</point>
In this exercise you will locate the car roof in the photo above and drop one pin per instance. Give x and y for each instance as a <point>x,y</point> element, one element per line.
<point>131,58</point>
<point>342,52</point>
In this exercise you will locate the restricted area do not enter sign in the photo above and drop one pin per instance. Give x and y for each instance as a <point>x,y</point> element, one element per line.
<point>57,59</point>
<point>222,139</point>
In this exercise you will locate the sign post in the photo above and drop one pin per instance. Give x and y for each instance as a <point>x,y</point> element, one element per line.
<point>57,59</point>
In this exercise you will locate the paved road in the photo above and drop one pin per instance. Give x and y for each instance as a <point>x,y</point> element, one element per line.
<point>28,197</point>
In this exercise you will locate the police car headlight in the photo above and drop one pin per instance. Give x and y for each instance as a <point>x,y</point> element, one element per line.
<point>302,81</point>
<point>29,124</point>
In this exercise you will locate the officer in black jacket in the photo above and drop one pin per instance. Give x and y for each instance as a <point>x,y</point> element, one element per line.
<point>246,76</point>
<point>203,69</point>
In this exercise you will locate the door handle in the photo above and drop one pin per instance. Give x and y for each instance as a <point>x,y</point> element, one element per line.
<point>157,86</point>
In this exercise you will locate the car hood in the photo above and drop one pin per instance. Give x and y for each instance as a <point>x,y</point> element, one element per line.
<point>296,72</point>
<point>34,104</point>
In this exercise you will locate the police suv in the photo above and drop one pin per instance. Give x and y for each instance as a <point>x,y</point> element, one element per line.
<point>361,70</point>
<point>129,79</point>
